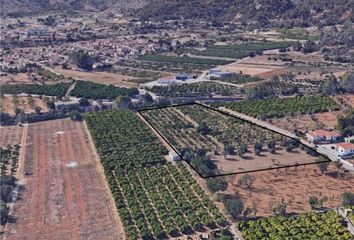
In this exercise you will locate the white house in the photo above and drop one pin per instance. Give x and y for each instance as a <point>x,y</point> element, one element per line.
<point>349,139</point>
<point>345,149</point>
<point>323,135</point>
<point>174,156</point>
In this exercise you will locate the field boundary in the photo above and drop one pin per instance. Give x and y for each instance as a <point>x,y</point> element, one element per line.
<point>229,115</point>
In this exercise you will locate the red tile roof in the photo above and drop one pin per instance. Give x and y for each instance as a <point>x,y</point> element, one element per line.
<point>345,145</point>
<point>320,133</point>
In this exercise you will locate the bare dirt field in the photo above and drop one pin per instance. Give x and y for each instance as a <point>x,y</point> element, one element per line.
<point>294,186</point>
<point>10,135</point>
<point>346,99</point>
<point>99,77</point>
<point>65,194</point>
<point>8,106</point>
<point>19,78</point>
<point>301,123</point>
<point>266,160</point>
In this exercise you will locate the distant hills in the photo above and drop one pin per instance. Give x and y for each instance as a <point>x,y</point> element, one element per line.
<point>308,11</point>
<point>28,7</point>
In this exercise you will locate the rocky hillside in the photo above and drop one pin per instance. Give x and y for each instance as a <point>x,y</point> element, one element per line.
<point>26,7</point>
<point>314,12</point>
<point>308,11</point>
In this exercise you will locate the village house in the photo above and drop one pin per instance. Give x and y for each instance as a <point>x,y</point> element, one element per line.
<point>323,135</point>
<point>345,149</point>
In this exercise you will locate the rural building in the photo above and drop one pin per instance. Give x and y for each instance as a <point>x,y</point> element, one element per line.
<point>345,149</point>
<point>167,80</point>
<point>323,135</point>
<point>174,156</point>
<point>349,139</point>
<point>183,77</point>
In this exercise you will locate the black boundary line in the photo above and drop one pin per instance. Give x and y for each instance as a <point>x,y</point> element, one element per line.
<point>167,106</point>
<point>230,115</point>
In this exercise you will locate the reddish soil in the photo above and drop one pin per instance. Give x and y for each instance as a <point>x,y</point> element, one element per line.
<point>20,78</point>
<point>65,195</point>
<point>327,120</point>
<point>8,106</point>
<point>252,162</point>
<point>346,99</point>
<point>295,186</point>
<point>301,123</point>
<point>10,135</point>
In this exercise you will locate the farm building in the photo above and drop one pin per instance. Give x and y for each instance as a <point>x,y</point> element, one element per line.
<point>167,80</point>
<point>183,77</point>
<point>174,156</point>
<point>323,135</point>
<point>345,149</point>
<point>215,73</point>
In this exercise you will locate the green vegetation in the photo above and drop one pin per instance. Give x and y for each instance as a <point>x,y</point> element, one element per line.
<point>46,74</point>
<point>298,34</point>
<point>123,140</point>
<point>174,59</point>
<point>240,50</point>
<point>58,89</point>
<point>346,124</point>
<point>216,184</point>
<point>92,90</point>
<point>83,59</point>
<point>199,134</point>
<point>155,200</point>
<point>237,78</point>
<point>310,226</point>
<point>280,107</point>
<point>9,164</point>
<point>206,89</point>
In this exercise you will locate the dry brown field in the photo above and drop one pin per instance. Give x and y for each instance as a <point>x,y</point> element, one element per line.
<point>19,78</point>
<point>100,77</point>
<point>65,194</point>
<point>10,135</point>
<point>251,162</point>
<point>294,186</point>
<point>8,106</point>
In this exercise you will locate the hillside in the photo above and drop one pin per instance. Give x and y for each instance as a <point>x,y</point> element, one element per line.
<point>27,7</point>
<point>307,11</point>
<point>299,12</point>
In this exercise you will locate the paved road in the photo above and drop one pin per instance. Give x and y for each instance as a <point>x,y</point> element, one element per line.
<point>343,213</point>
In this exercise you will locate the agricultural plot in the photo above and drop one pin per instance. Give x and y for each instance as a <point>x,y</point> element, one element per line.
<point>205,89</point>
<point>265,190</point>
<point>305,226</point>
<point>28,104</point>
<point>58,89</point>
<point>10,135</point>
<point>90,90</point>
<point>280,107</point>
<point>237,79</point>
<point>155,199</point>
<point>240,50</point>
<point>65,195</point>
<point>215,143</point>
<point>190,60</point>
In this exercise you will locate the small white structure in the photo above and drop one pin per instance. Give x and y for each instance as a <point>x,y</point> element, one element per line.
<point>345,149</point>
<point>323,135</point>
<point>174,156</point>
<point>349,139</point>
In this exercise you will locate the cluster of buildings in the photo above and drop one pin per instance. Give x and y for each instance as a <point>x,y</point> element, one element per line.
<point>344,147</point>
